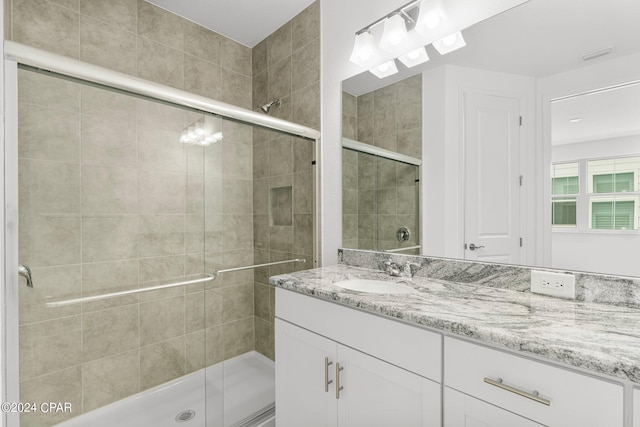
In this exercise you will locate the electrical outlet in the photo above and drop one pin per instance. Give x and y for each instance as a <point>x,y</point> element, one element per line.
<point>553,284</point>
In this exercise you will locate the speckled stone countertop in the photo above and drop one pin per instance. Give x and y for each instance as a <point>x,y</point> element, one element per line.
<point>602,338</point>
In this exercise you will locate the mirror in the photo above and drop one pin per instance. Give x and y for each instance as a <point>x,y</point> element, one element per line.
<point>557,50</point>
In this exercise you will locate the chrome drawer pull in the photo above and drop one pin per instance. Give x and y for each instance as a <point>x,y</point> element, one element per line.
<point>339,388</point>
<point>327,381</point>
<point>533,396</point>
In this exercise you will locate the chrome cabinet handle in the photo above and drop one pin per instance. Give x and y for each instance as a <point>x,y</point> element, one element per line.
<point>473,246</point>
<point>25,272</point>
<point>327,381</point>
<point>339,388</point>
<point>533,396</point>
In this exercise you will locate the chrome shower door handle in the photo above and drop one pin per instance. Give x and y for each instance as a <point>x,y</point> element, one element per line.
<point>25,272</point>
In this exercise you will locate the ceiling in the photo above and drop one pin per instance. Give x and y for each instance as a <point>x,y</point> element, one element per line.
<point>245,21</point>
<point>605,114</point>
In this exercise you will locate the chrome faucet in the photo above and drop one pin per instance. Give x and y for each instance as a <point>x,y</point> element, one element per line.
<point>25,272</point>
<point>392,268</point>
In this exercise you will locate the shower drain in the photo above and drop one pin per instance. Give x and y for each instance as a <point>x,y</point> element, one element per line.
<point>185,416</point>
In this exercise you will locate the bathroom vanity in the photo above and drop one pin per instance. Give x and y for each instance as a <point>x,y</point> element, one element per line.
<point>449,354</point>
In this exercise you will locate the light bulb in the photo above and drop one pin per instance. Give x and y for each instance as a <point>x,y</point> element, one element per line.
<point>414,54</point>
<point>415,57</point>
<point>394,34</point>
<point>364,50</point>
<point>431,16</point>
<point>450,40</point>
<point>385,69</point>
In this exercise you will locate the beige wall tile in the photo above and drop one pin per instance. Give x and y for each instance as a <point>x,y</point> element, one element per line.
<point>409,116</point>
<point>195,194</point>
<point>261,301</point>
<point>202,78</point>
<point>349,227</point>
<point>238,337</point>
<point>49,239</point>
<point>304,105</point>
<point>109,142</point>
<point>349,104</point>
<point>160,64</point>
<point>161,150</point>
<point>387,201</point>
<point>406,200</point>
<point>260,89</point>
<point>384,120</point>
<point>279,76</point>
<point>113,378</point>
<point>366,227</point>
<point>54,284</point>
<point>235,57</point>
<point>260,196</point>
<point>110,331</point>
<point>195,351</point>
<point>109,190</point>
<point>386,174</point>
<point>303,193</point>
<point>106,277</point>
<point>237,160</point>
<point>279,44</point>
<point>237,196</point>
<point>237,302</point>
<point>160,25</point>
<point>109,237</point>
<point>260,167</point>
<point>259,61</point>
<point>264,338</point>
<point>162,362</point>
<point>202,42</point>
<point>48,91</point>
<point>159,116</point>
<point>108,105</point>
<point>281,206</point>
<point>162,193</point>
<point>365,104</point>
<point>50,346</point>
<point>238,232</point>
<point>303,234</point>
<point>213,306</point>
<point>42,24</point>
<point>281,238</point>
<point>107,45</point>
<point>214,345</point>
<point>306,25</point>
<point>280,154</point>
<point>235,89</point>
<point>305,67</point>
<point>154,270</point>
<point>350,201</point>
<point>60,386</point>
<point>49,187</point>
<point>194,312</point>
<point>117,12</point>
<point>161,320</point>
<point>48,134</point>
<point>410,143</point>
<point>69,4</point>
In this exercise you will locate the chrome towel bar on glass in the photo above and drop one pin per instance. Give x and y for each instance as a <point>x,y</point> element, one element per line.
<point>403,249</point>
<point>208,278</point>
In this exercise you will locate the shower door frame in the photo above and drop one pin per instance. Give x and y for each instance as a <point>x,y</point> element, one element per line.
<point>17,54</point>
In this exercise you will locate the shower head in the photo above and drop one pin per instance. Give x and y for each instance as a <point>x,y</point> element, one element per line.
<point>267,107</point>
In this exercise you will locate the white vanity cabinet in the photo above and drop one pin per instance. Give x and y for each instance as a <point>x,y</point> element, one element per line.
<point>320,381</point>
<point>636,407</point>
<point>483,384</point>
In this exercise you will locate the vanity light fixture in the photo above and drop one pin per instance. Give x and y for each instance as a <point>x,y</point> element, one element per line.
<point>394,35</point>
<point>415,57</point>
<point>385,69</point>
<point>365,50</point>
<point>404,35</point>
<point>450,43</point>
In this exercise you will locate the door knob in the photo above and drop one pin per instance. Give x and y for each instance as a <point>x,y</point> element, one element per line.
<point>473,246</point>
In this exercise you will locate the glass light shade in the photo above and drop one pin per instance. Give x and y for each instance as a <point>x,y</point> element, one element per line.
<point>415,57</point>
<point>450,43</point>
<point>394,34</point>
<point>364,51</point>
<point>431,16</point>
<point>385,69</point>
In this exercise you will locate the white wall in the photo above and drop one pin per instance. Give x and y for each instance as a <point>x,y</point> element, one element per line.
<point>602,148</point>
<point>603,252</point>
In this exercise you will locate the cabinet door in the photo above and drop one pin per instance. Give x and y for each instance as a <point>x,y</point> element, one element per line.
<point>301,398</point>
<point>461,410</point>
<point>379,394</point>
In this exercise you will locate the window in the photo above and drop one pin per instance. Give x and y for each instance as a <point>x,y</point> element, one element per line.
<point>564,181</point>
<point>611,200</point>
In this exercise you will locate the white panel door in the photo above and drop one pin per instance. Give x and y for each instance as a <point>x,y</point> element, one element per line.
<point>301,396</point>
<point>492,177</point>
<point>377,393</point>
<point>461,410</point>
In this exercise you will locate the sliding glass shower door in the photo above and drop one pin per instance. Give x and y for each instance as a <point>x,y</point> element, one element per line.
<point>130,211</point>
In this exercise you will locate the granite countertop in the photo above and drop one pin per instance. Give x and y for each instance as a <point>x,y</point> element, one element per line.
<point>602,338</point>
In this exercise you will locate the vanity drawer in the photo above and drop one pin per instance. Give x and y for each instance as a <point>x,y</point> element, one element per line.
<point>408,347</point>
<point>573,399</point>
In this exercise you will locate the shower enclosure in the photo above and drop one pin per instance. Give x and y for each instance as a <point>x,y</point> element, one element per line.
<point>149,226</point>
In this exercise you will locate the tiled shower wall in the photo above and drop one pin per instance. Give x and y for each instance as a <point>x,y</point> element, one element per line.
<point>77,144</point>
<point>286,66</point>
<point>380,195</point>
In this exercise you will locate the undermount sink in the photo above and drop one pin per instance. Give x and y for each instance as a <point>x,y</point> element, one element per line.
<point>374,286</point>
